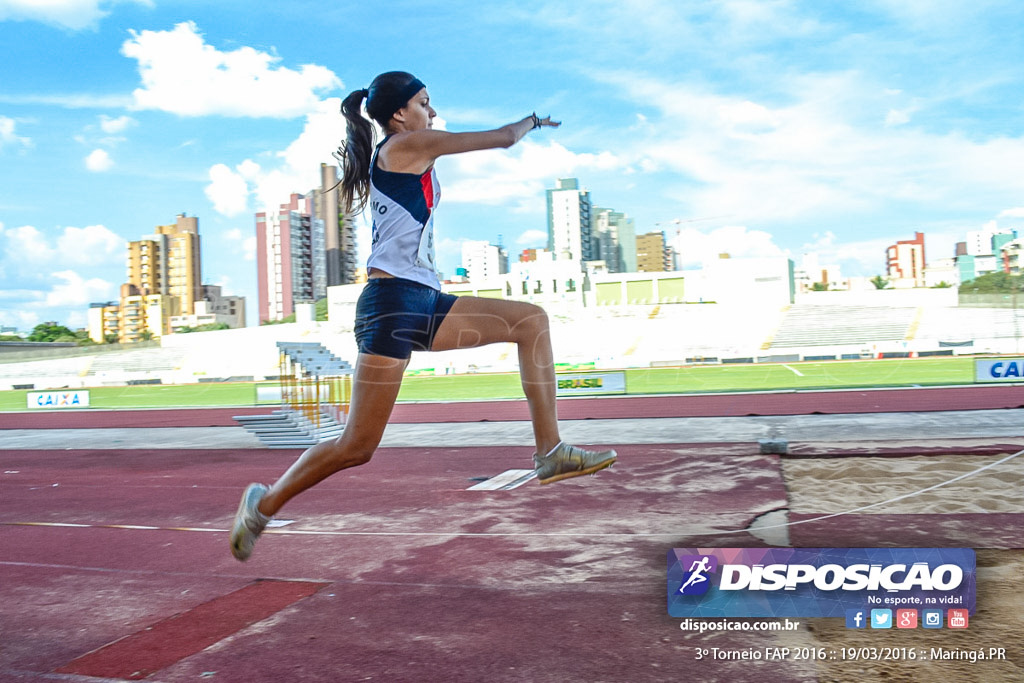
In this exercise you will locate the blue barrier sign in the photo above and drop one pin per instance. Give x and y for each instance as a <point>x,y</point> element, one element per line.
<point>999,370</point>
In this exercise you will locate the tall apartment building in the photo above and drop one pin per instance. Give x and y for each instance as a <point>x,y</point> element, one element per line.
<point>652,254</point>
<point>483,261</point>
<point>905,262</point>
<point>144,315</point>
<point>104,321</point>
<point>290,255</point>
<point>164,273</point>
<point>569,222</point>
<point>613,235</point>
<point>339,231</point>
<point>164,276</point>
<point>168,262</point>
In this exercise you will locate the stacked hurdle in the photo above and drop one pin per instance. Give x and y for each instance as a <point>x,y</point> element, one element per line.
<point>316,388</point>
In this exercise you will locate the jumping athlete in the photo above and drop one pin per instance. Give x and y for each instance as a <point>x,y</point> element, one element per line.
<point>402,307</point>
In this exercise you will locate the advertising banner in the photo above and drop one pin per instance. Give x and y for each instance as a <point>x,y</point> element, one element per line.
<point>591,383</point>
<point>999,370</point>
<point>58,399</point>
<point>818,582</point>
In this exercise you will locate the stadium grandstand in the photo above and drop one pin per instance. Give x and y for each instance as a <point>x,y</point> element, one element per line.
<point>818,325</point>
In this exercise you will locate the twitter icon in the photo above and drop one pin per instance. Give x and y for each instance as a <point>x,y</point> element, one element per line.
<point>881,618</point>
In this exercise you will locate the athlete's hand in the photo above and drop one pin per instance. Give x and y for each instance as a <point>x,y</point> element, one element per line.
<point>546,121</point>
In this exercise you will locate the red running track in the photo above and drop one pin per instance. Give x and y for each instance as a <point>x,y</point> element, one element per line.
<point>396,571</point>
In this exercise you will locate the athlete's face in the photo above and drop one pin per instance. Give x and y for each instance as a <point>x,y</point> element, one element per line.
<point>417,114</point>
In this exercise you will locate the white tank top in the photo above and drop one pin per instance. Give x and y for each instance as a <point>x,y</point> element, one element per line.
<point>402,206</point>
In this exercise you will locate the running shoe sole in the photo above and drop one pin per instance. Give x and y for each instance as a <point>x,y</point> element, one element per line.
<point>579,473</point>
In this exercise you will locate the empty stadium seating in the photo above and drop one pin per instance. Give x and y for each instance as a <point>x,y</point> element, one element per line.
<point>607,336</point>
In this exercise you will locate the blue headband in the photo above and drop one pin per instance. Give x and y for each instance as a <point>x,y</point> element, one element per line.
<point>381,106</point>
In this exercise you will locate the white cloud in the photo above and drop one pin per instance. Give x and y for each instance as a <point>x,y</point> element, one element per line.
<point>119,125</point>
<point>864,256</point>
<point>449,249</point>
<point>91,245</point>
<point>294,169</point>
<point>1016,212</point>
<point>19,318</point>
<point>227,190</point>
<point>70,14</point>
<point>8,138</point>
<point>183,75</point>
<point>29,258</point>
<point>27,248</point>
<point>98,161</point>
<point>897,117</point>
<point>72,101</point>
<point>813,152</point>
<point>516,176</point>
<point>532,238</point>
<point>26,245</point>
<point>247,242</point>
<point>73,290</point>
<point>697,247</point>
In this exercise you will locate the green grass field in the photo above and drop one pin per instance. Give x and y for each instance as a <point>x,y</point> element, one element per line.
<point>684,380</point>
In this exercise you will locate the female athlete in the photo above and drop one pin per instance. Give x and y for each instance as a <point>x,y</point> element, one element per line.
<point>402,308</point>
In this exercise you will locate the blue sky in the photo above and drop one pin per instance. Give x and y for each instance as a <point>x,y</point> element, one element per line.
<point>752,127</point>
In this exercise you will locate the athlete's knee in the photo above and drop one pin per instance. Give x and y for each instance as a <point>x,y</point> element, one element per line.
<point>533,322</point>
<point>353,450</point>
<point>362,455</point>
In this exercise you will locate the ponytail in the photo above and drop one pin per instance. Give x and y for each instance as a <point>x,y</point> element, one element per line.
<point>355,153</point>
<point>388,93</point>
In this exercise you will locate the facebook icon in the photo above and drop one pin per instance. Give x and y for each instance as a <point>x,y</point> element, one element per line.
<point>855,618</point>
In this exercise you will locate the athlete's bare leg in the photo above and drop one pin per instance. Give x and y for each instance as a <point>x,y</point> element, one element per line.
<point>375,387</point>
<point>474,321</point>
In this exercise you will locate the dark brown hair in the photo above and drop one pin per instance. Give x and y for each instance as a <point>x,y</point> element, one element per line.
<point>356,151</point>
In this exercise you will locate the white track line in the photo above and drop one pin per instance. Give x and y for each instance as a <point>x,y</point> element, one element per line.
<point>445,534</point>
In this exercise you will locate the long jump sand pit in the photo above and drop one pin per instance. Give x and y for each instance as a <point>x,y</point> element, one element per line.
<point>983,510</point>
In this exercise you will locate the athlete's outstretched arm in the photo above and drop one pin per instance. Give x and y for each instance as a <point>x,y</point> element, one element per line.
<point>417,150</point>
<point>439,143</point>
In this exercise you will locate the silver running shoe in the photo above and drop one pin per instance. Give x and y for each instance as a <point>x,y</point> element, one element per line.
<point>569,461</point>
<point>249,522</point>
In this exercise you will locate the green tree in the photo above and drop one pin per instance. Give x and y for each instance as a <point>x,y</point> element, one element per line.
<point>879,282</point>
<point>51,332</point>
<point>819,287</point>
<point>990,283</point>
<point>208,327</point>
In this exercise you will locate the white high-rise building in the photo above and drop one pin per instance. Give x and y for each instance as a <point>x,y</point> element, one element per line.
<point>290,258</point>
<point>982,242</point>
<point>569,222</point>
<point>614,240</point>
<point>483,260</point>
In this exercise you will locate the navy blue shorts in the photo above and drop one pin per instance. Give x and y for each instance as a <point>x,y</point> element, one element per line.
<point>395,317</point>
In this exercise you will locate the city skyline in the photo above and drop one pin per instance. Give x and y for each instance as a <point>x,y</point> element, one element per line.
<point>781,128</point>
